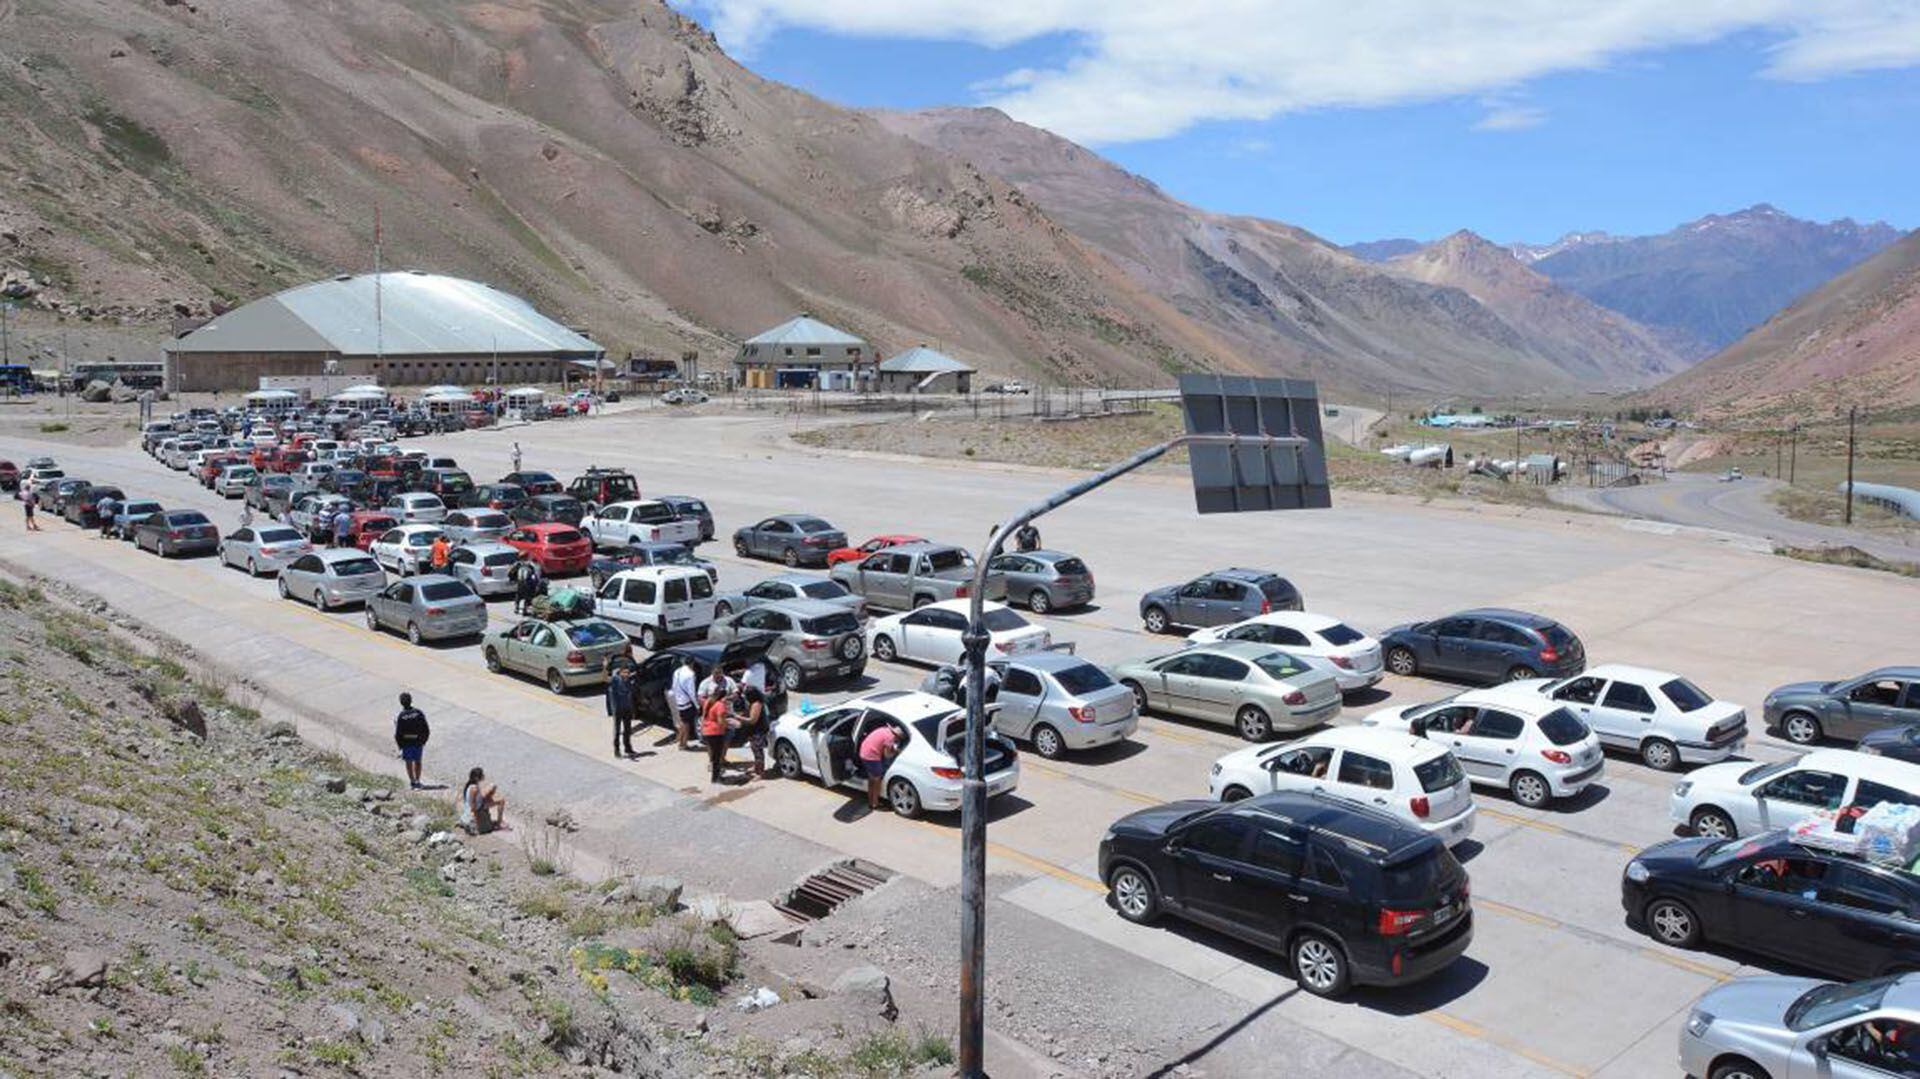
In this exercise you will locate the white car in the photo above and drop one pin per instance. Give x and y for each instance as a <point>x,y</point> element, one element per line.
<point>1658,715</point>
<point>181,453</point>
<point>1414,779</point>
<point>477,525</point>
<point>407,549</point>
<point>684,395</point>
<point>1534,749</point>
<point>417,508</point>
<point>931,634</point>
<point>1741,797</point>
<point>658,603</point>
<point>924,776</point>
<point>623,524</point>
<point>311,473</point>
<point>1355,657</point>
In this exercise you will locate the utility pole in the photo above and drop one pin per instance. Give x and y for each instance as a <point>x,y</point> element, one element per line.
<point>1793,452</point>
<point>6,344</point>
<point>1776,455</point>
<point>1850,444</point>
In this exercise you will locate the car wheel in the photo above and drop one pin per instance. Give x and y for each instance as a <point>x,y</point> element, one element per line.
<point>1155,619</point>
<point>921,601</point>
<point>1738,1069</point>
<point>1800,728</point>
<point>555,683</point>
<point>650,638</point>
<point>413,633</point>
<point>1659,755</point>
<point>1530,789</point>
<point>1132,893</point>
<point>786,759</point>
<point>791,675</point>
<point>321,601</point>
<point>883,649</point>
<point>1139,695</point>
<point>253,568</point>
<point>493,661</point>
<point>1039,602</point>
<point>1710,823</point>
<point>904,798</point>
<point>1235,794</point>
<point>791,557</point>
<point>1319,965</point>
<point>1402,661</point>
<point>1048,743</point>
<point>1520,672</point>
<point>1253,724</point>
<point>373,620</point>
<point>721,610</point>
<point>285,592</point>
<point>740,548</point>
<point>1673,922</point>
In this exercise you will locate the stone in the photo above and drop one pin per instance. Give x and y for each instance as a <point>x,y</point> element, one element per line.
<point>281,730</point>
<point>756,918</point>
<point>83,968</point>
<point>653,892</point>
<point>871,986</point>
<point>383,794</point>
<point>97,392</point>
<point>333,784</point>
<point>185,713</point>
<point>346,1020</point>
<point>758,1000</point>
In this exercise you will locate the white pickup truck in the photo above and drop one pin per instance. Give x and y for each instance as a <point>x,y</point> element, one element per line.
<point>622,524</point>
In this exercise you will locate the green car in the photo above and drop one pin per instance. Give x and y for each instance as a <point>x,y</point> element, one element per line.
<point>565,653</point>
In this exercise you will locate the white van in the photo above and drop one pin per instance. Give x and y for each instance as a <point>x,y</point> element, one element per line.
<point>658,603</point>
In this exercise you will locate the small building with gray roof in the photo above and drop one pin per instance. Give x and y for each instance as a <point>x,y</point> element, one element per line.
<point>804,353</point>
<point>926,370</point>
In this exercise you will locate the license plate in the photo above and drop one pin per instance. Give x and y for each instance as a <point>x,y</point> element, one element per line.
<point>1443,913</point>
<point>1457,827</point>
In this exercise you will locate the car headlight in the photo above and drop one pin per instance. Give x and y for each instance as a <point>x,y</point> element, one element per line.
<point>1637,871</point>
<point>1698,1022</point>
<point>1684,786</point>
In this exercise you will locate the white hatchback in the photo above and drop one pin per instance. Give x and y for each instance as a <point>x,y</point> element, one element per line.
<point>407,549</point>
<point>1534,749</point>
<point>931,634</point>
<point>417,508</point>
<point>1741,797</point>
<point>1414,779</point>
<point>1354,656</point>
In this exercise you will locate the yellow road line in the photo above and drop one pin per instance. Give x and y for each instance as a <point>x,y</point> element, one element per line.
<point>1480,1033</point>
<point>1072,777</point>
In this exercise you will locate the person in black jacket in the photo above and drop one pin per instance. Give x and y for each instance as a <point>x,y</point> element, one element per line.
<point>527,584</point>
<point>620,707</point>
<point>410,733</point>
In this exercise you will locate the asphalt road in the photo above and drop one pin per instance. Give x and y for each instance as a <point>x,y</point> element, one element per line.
<point>1554,982</point>
<point>1744,507</point>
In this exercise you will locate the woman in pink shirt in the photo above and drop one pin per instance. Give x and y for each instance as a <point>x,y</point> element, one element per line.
<point>877,750</point>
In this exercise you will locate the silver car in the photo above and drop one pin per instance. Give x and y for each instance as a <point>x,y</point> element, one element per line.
<point>430,607</point>
<point>233,480</point>
<point>487,568</point>
<point>1257,688</point>
<point>333,577</point>
<point>790,587</point>
<point>270,548</point>
<point>806,639</point>
<point>417,508</point>
<point>479,525</point>
<point>1041,581</point>
<point>1783,1028</point>
<point>1059,702</point>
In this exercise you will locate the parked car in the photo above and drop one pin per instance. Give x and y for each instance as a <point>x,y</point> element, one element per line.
<point>534,482</point>
<point>924,776</point>
<point>405,549</point>
<point>1256,688</point>
<point>170,533</point>
<point>1897,743</point>
<point>1771,1027</point>
<point>487,568</point>
<point>83,505</point>
<point>684,395</point>
<point>496,496</point>
<point>809,641</point>
<point>130,514</point>
<point>1487,644</point>
<point>931,634</point>
<point>652,554</point>
<point>270,548</point>
<point>654,673</point>
<point>1217,598</point>
<point>417,508</point>
<point>53,497</point>
<point>1659,716</point>
<point>430,607</point>
<point>1060,704</point>
<point>449,484</point>
<point>1827,912</point>
<point>1412,778</point>
<point>877,543</point>
<point>1805,712</point>
<point>476,525</point>
<point>601,486</point>
<point>1534,749</point>
<point>550,509</point>
<point>233,479</point>
<point>332,577</point>
<point>622,524</point>
<point>791,586</point>
<point>366,526</point>
<point>689,506</point>
<point>902,578</point>
<point>1042,580</point>
<point>1349,895</point>
<point>1354,656</point>
<point>313,514</point>
<point>9,476</point>
<point>558,549</point>
<point>181,452</point>
<point>345,481</point>
<point>564,653</point>
<point>277,499</point>
<point>793,538</point>
<point>658,603</point>
<point>314,473</point>
<point>1742,798</point>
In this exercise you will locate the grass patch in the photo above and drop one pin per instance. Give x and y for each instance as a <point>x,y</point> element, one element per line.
<point>39,896</point>
<point>427,882</point>
<point>53,428</point>
<point>1849,556</point>
<point>129,139</point>
<point>895,1052</point>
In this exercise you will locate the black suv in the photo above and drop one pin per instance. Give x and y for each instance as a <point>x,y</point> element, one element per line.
<point>549,509</point>
<point>1348,894</point>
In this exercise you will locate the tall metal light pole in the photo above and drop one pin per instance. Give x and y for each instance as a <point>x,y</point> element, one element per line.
<point>1850,443</point>
<point>1231,415</point>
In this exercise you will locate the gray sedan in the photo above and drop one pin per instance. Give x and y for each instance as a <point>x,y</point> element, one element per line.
<point>271,548</point>
<point>1059,702</point>
<point>787,587</point>
<point>1042,581</point>
<point>1804,712</point>
<point>479,525</point>
<point>330,578</point>
<point>806,639</point>
<point>1774,1027</point>
<point>794,538</point>
<point>487,568</point>
<point>176,532</point>
<point>430,607</point>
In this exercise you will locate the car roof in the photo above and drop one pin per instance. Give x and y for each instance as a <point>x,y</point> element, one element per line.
<point>1908,673</point>
<point>1238,649</point>
<point>548,528</point>
<point>339,554</point>
<point>1865,766</point>
<point>797,579</point>
<point>491,548</point>
<point>1305,620</point>
<point>660,573</point>
<point>960,605</point>
<point>1507,614</point>
<point>634,502</point>
<point>804,608</point>
<point>906,705</point>
<point>1242,573</point>
<point>1371,833</point>
<point>1631,673</point>
<point>1517,697</point>
<point>555,496</point>
<point>1047,661</point>
<point>920,547</point>
<point>792,517</point>
<point>1397,746</point>
<point>412,528</point>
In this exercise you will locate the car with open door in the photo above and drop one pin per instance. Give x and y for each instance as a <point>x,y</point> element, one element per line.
<point>1744,797</point>
<point>925,776</point>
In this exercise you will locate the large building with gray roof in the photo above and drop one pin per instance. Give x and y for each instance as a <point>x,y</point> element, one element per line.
<point>428,329</point>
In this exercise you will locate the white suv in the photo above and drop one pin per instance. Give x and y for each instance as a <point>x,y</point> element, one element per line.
<point>1741,797</point>
<point>1535,749</point>
<point>1658,715</point>
<point>1414,779</point>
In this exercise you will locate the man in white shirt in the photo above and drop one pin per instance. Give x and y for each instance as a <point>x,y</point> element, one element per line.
<point>683,698</point>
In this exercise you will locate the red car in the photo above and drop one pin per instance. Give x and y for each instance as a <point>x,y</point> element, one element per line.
<point>288,459</point>
<point>854,554</point>
<point>212,463</point>
<point>365,526</point>
<point>9,476</point>
<point>556,548</point>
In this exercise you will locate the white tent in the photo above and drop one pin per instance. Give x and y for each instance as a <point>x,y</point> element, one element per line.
<point>437,391</point>
<point>444,401</point>
<point>272,399</point>
<point>360,393</point>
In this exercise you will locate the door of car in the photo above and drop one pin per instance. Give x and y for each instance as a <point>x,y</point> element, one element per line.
<point>1498,648</point>
<point>305,567</point>
<point>932,635</point>
<point>1623,715</point>
<point>1209,860</point>
<point>1878,928</point>
<point>834,752</point>
<point>1193,602</point>
<point>874,573</point>
<point>609,525</point>
<point>1876,1047</point>
<point>1305,768</point>
<point>1268,633</point>
<point>769,538</point>
<point>236,544</point>
<point>513,645</point>
<point>1786,800</point>
<point>538,647</point>
<point>1452,645</point>
<point>464,565</point>
<point>1175,690</point>
<point>750,623</point>
<point>395,602</point>
<point>1582,695</point>
<point>1363,777</point>
<point>1488,746</point>
<point>1875,703</point>
<point>1218,687</point>
<point>1021,694</point>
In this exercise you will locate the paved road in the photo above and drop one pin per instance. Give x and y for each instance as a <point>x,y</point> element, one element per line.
<point>1554,981</point>
<point>1743,506</point>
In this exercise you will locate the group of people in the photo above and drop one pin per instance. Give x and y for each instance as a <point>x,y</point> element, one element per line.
<point>481,808</point>
<point>724,708</point>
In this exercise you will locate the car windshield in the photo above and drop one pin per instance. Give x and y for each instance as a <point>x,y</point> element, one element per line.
<point>694,507</point>
<point>952,558</point>
<point>828,625</point>
<point>1070,567</point>
<point>422,539</point>
<point>502,558</point>
<point>813,524</point>
<point>1002,619</point>
<point>487,520</point>
<point>1421,878</point>
<point>132,508</point>
<point>1685,695</point>
<point>1728,851</point>
<point>355,567</point>
<point>378,524</point>
<point>1438,774</point>
<point>444,590</point>
<point>279,535</point>
<point>1082,678</point>
<point>1562,727</point>
<point>565,535</point>
<point>1834,1002</point>
<point>589,634</point>
<point>1280,665</point>
<point>673,556</point>
<point>1340,634</point>
<point>824,590</point>
<point>1762,772</point>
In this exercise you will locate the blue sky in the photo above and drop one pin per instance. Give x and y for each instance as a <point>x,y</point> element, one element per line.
<point>1518,130</point>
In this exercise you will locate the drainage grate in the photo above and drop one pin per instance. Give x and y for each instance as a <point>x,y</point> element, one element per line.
<point>822,893</point>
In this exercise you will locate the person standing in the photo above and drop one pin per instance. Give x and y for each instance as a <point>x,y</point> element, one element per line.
<point>32,525</point>
<point>715,725</point>
<point>246,515</point>
<point>441,549</point>
<point>877,751</point>
<point>516,456</point>
<point>752,704</point>
<point>683,698</point>
<point>104,512</point>
<point>343,529</point>
<point>620,707</point>
<point>1027,538</point>
<point>527,584</point>
<point>410,733</point>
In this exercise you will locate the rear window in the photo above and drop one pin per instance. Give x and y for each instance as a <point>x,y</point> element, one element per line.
<point>502,558</point>
<point>652,512</point>
<point>444,590</point>
<point>1685,695</point>
<point>1277,588</point>
<point>1438,774</point>
<point>1280,665</point>
<point>378,524</point>
<point>948,559</point>
<point>1004,618</point>
<point>828,625</point>
<point>133,508</point>
<point>693,506</point>
<point>1557,636</point>
<point>488,520</point>
<point>1340,633</point>
<point>188,518</point>
<point>824,590</point>
<point>588,634</point>
<point>702,586</point>
<point>1070,567</point>
<point>1562,727</point>
<point>673,555</point>
<point>1082,678</point>
<point>565,535</point>
<point>1422,878</point>
<point>814,524</point>
<point>356,567</point>
<point>278,535</point>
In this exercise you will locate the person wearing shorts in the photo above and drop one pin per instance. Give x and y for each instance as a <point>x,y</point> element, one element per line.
<point>877,751</point>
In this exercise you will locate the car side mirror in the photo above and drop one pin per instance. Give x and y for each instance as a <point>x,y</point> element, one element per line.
<point>1820,1046</point>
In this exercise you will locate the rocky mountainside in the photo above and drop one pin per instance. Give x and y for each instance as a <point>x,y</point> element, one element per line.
<point>1382,250</point>
<point>1598,346</point>
<point>1855,340</point>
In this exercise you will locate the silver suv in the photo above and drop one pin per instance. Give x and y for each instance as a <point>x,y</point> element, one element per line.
<point>914,575</point>
<point>807,640</point>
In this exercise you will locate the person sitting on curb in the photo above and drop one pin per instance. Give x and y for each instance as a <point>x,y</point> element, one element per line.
<point>482,807</point>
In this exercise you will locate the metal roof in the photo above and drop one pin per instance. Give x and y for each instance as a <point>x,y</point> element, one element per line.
<point>923,360</point>
<point>804,330</point>
<point>420,314</point>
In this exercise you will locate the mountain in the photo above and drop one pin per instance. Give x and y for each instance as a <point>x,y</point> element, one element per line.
<point>1382,250</point>
<point>1854,340</point>
<point>1531,253</point>
<point>1709,281</point>
<point>1596,345</point>
<point>1302,305</point>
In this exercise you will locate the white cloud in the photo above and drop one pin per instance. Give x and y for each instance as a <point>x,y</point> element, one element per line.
<point>1508,116</point>
<point>1144,69</point>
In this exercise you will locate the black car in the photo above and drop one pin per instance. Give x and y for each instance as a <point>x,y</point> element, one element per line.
<point>1831,913</point>
<point>451,484</point>
<point>549,509</point>
<point>375,490</point>
<point>688,506</point>
<point>655,672</point>
<point>535,483</point>
<point>647,554</point>
<point>1349,894</point>
<point>1900,743</point>
<point>495,496</point>
<point>1489,644</point>
<point>83,505</point>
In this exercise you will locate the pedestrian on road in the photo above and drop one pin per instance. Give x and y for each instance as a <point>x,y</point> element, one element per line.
<point>32,525</point>
<point>441,549</point>
<point>526,576</point>
<point>246,515</point>
<point>877,751</point>
<point>105,510</point>
<point>752,706</point>
<point>516,456</point>
<point>683,698</point>
<point>410,733</point>
<point>620,707</point>
<point>343,529</point>
<point>716,723</point>
<point>482,808</point>
<point>1027,538</point>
